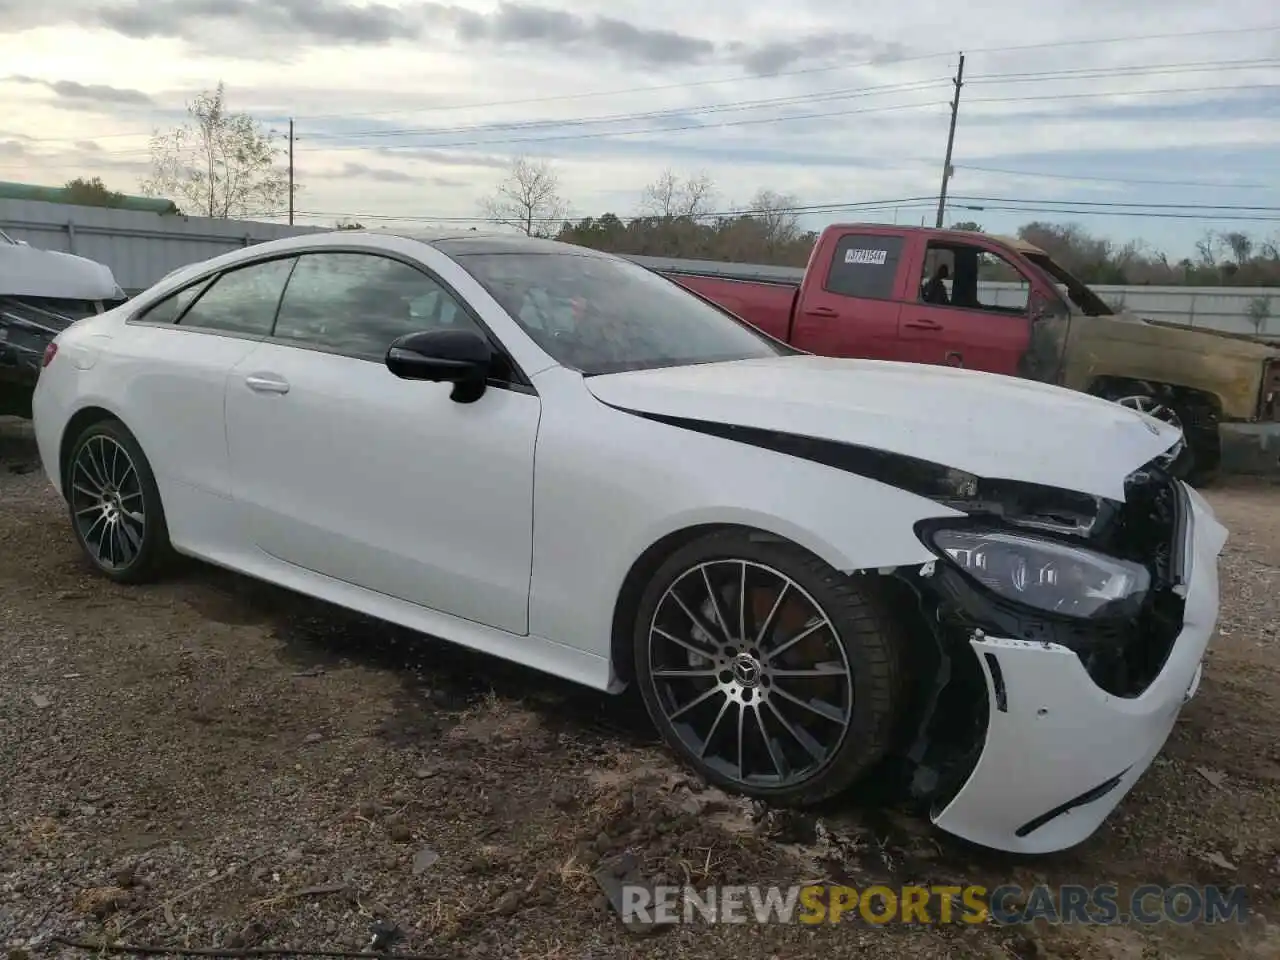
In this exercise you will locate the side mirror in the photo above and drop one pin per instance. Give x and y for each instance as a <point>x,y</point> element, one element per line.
<point>460,357</point>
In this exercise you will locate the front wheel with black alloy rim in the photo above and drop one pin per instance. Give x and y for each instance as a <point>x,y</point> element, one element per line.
<point>769,672</point>
<point>115,504</point>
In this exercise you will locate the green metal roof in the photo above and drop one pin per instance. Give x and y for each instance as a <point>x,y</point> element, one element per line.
<point>31,191</point>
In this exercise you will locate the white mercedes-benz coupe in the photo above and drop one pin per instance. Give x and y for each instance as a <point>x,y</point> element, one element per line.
<point>818,572</point>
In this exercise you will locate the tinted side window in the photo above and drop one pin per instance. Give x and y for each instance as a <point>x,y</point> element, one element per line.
<point>242,300</point>
<point>357,303</point>
<point>170,308</point>
<point>865,266</point>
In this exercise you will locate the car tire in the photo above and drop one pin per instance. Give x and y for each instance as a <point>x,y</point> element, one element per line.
<point>827,694</point>
<point>115,507</point>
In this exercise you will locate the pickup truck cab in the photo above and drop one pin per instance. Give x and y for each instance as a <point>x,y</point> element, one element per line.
<point>999,304</point>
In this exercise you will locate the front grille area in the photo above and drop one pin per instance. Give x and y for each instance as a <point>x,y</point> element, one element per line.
<point>1148,528</point>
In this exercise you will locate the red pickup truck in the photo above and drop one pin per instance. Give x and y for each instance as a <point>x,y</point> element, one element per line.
<point>1002,305</point>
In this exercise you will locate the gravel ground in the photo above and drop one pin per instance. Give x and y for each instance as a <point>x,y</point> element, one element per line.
<point>212,762</point>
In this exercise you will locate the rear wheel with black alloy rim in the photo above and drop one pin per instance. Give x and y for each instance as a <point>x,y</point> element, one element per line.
<point>115,505</point>
<point>768,671</point>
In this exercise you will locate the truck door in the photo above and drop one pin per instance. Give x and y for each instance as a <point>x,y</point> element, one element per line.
<point>849,304</point>
<point>970,308</point>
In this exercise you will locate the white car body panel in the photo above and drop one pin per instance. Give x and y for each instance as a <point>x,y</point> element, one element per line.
<point>510,524</point>
<point>364,477</point>
<point>966,419</point>
<point>27,271</point>
<point>1089,735</point>
<point>649,492</point>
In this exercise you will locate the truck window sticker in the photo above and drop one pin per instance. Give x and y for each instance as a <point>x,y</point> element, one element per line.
<point>864,266</point>
<point>873,257</point>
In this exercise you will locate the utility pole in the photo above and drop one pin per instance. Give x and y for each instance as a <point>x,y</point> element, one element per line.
<point>958,80</point>
<point>953,126</point>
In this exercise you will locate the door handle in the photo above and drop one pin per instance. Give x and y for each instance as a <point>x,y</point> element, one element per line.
<point>266,384</point>
<point>923,325</point>
<point>821,312</point>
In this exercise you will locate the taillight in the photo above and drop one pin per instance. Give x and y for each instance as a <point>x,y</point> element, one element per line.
<point>50,352</point>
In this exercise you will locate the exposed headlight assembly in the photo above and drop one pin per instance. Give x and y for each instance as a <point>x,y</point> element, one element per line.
<point>1046,574</point>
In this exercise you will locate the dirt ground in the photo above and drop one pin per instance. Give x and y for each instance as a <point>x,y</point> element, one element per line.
<point>211,762</point>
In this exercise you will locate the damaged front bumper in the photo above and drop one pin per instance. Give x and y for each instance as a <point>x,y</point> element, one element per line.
<point>1060,752</point>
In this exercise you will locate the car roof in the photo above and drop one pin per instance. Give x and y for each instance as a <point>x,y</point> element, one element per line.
<point>458,242</point>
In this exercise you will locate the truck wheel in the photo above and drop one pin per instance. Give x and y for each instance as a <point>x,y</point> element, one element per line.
<point>1196,458</point>
<point>769,672</point>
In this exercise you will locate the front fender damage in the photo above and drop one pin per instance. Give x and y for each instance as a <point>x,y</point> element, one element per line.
<point>1002,694</point>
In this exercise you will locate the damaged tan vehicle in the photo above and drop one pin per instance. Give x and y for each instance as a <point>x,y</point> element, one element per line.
<point>1195,379</point>
<point>966,299</point>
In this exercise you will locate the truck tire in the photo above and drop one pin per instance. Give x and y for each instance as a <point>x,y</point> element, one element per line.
<point>766,670</point>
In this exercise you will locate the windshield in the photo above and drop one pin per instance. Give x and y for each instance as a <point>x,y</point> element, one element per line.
<point>600,315</point>
<point>1088,302</point>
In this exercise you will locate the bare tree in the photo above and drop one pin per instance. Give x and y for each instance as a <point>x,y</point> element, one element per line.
<point>1207,249</point>
<point>219,163</point>
<point>528,199</point>
<point>671,197</point>
<point>1241,245</point>
<point>776,213</point>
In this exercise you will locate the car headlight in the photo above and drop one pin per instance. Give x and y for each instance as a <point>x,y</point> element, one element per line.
<point>1046,574</point>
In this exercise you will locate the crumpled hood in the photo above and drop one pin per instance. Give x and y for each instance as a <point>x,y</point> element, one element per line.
<point>985,424</point>
<point>32,272</point>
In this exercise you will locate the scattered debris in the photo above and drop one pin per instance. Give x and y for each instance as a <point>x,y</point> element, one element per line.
<point>384,934</point>
<point>1217,859</point>
<point>1216,777</point>
<point>102,902</point>
<point>423,859</point>
<point>618,873</point>
<point>41,701</point>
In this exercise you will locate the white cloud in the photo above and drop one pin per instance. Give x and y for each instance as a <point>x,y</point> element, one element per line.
<point>398,69</point>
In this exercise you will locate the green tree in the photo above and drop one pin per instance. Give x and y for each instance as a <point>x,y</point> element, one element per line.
<point>220,163</point>
<point>92,193</point>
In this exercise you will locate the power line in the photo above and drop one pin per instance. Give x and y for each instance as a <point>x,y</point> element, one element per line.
<point>1040,175</point>
<point>1126,93</point>
<point>1015,204</point>
<point>1117,203</point>
<point>1092,73</point>
<point>554,138</point>
<point>677,112</point>
<point>673,112</point>
<point>878,62</point>
<point>623,133</point>
<point>921,204</point>
<point>790,100</point>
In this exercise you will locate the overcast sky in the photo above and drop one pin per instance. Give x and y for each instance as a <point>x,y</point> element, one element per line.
<point>413,109</point>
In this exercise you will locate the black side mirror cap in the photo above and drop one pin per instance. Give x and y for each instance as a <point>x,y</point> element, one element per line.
<point>461,357</point>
